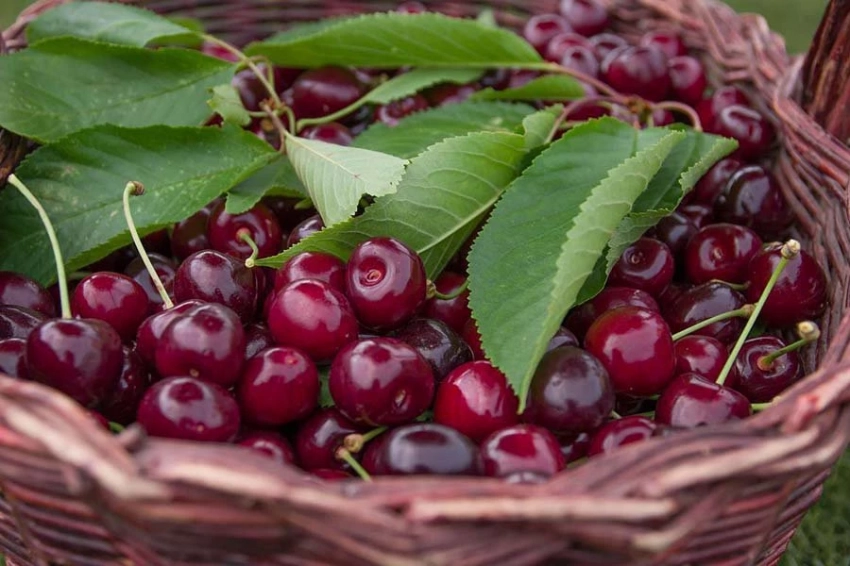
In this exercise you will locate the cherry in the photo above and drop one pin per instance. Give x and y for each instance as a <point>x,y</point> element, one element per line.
<point>541,28</point>
<point>381,381</point>
<point>703,302</point>
<point>672,292</point>
<point>754,133</point>
<point>687,79</point>
<point>674,231</point>
<point>700,214</point>
<point>305,229</point>
<point>189,409</point>
<point>712,184</point>
<point>667,42</point>
<point>189,236</point>
<point>581,59</point>
<point>392,112</point>
<point>214,277</point>
<point>647,265</point>
<point>752,198</point>
<point>702,355</point>
<point>722,252</point>
<point>219,52</point>
<point>636,348</point>
<point>121,404</point>
<point>323,91</point>
<point>411,8</point>
<point>586,17</point>
<point>312,265</point>
<point>660,117</point>
<point>709,108</point>
<point>251,89</point>
<point>439,345</point>
<point>278,386</point>
<point>330,475</point>
<point>610,298</point>
<point>605,43</point>
<point>476,400</point>
<point>521,448</point>
<point>427,448</point>
<point>558,45</point>
<point>270,444</point>
<point>455,311</point>
<point>206,343</point>
<point>151,329</point>
<point>319,437</point>
<point>497,79</point>
<point>562,337</point>
<point>761,380</point>
<point>21,291</point>
<point>472,337</point>
<point>13,357</point>
<point>223,231</point>
<point>165,268</point>
<point>332,132</point>
<point>113,298</point>
<point>617,433</point>
<point>312,316</point>
<point>641,71</point>
<point>288,216</point>
<point>692,400</point>
<point>81,358</point>
<point>444,94</point>
<point>257,338</point>
<point>800,291</point>
<point>570,392</point>
<point>18,322</point>
<point>385,283</point>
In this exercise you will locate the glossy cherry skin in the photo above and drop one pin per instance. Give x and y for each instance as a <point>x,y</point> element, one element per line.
<point>21,291</point>
<point>165,268</point>
<point>278,386</point>
<point>454,312</point>
<point>752,198</point>
<point>586,17</point>
<point>574,447</point>
<point>472,337</point>
<point>709,188</point>
<point>385,282</point>
<point>113,298</point>
<point>559,44</point>
<point>214,277</point>
<point>754,133</point>
<point>541,28</point>
<point>445,94</point>
<point>800,292</point>
<point>605,43</point>
<point>700,214</point>
<point>189,236</point>
<point>521,448</point>
<point>476,400</point>
<point>722,252</point>
<point>319,437</point>
<point>571,392</point>
<point>702,355</point>
<point>305,229</point>
<point>429,449</point>
<point>617,433</point>
<point>687,79</point>
<point>393,112</point>
<point>80,358</point>
<point>381,381</point>
<point>312,316</point>
<point>635,347</point>
<point>189,409</point>
<point>332,132</point>
<point>18,322</point>
<point>288,216</point>
<point>270,444</point>
<point>252,91</point>
<point>206,343</point>
<point>442,347</point>
<point>121,404</point>
<point>610,298</point>
<point>675,231</point>
<point>562,337</point>
<point>706,301</point>
<point>260,223</point>
<point>641,71</point>
<point>151,329</point>
<point>581,59</point>
<point>312,265</point>
<point>13,357</point>
<point>323,91</point>
<point>647,264</point>
<point>669,43</point>
<point>257,338</point>
<point>692,400</point>
<point>758,380</point>
<point>710,107</point>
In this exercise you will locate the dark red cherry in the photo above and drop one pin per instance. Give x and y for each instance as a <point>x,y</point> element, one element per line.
<point>586,17</point>
<point>381,381</point>
<point>151,329</point>
<point>312,265</point>
<point>668,42</point>
<point>430,449</point>
<point>319,437</point>
<point>752,198</point>
<point>472,337</point>
<point>392,112</point>
<point>189,409</point>
<point>20,291</point>
<point>385,282</point>
<point>581,59</point>
<point>711,185</point>
<point>574,447</point>
<point>323,91</point>
<point>674,231</point>
<point>660,117</point>
<point>709,108</point>
<point>278,386</point>
<point>261,224</point>
<point>722,252</point>
<point>80,358</point>
<point>312,316</point>
<point>620,432</point>
<point>442,347</point>
<point>759,379</point>
<point>558,45</point>
<point>251,89</point>
<point>18,322</point>
<point>476,400</point>
<point>571,392</point>
<point>647,264</point>
<point>692,400</point>
<point>332,132</point>
<point>13,357</point>
<point>219,52</point>
<point>206,343</point>
<point>700,214</point>
<point>257,338</point>
<point>411,8</point>
<point>165,268</point>
<point>189,236</point>
<point>521,448</point>
<point>754,133</point>
<point>641,71</point>
<point>702,355</point>
<point>563,337</point>
<point>304,229</point>
<point>541,28</point>
<point>270,444</point>
<point>635,347</point>
<point>454,312</point>
<point>113,298</point>
<point>687,79</point>
<point>799,294</point>
<point>121,404</point>
<point>703,302</point>
<point>445,94</point>
<point>215,277</point>
<point>288,216</point>
<point>610,298</point>
<point>605,43</point>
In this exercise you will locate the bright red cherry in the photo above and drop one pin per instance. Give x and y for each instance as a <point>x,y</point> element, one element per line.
<point>319,437</point>
<point>702,355</point>
<point>758,378</point>
<point>151,329</point>
<point>278,386</point>
<point>312,265</point>
<point>617,433</point>
<point>722,252</point>
<point>610,298</point>
<point>691,400</point>
<point>586,17</point>
<point>21,291</point>
<point>113,298</point>
<point>641,71</point>
<point>521,448</point>
<point>323,91</point>
<point>270,444</point>
<point>647,264</point>
<point>260,223</point>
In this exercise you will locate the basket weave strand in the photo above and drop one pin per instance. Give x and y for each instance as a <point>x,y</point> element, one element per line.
<point>728,495</point>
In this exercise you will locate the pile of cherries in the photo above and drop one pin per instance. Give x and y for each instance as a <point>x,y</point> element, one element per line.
<point>215,350</point>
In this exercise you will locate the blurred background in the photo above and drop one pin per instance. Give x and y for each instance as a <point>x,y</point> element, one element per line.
<point>824,539</point>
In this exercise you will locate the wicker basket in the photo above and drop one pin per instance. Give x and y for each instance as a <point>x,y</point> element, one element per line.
<point>729,495</point>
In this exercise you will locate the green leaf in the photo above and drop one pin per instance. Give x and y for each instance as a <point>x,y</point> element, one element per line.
<point>415,133</point>
<point>414,81</point>
<point>442,198</point>
<point>227,103</point>
<point>278,178</point>
<point>337,177</point>
<point>391,40</point>
<point>549,87</point>
<point>80,181</point>
<point>538,127</point>
<point>547,233</point>
<point>107,22</point>
<point>325,399</point>
<point>64,85</point>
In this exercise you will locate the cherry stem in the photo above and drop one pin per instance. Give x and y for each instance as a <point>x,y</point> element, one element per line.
<point>247,61</point>
<point>744,312</point>
<point>790,249</point>
<point>345,456</point>
<point>736,286</point>
<point>355,442</point>
<point>758,407</point>
<point>434,293</point>
<point>278,124</point>
<point>115,427</point>
<point>673,106</point>
<point>137,189</point>
<point>616,415</point>
<point>245,235</point>
<point>808,332</point>
<point>61,278</point>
